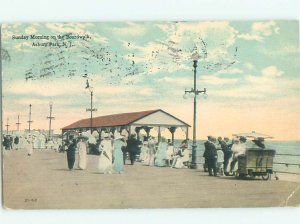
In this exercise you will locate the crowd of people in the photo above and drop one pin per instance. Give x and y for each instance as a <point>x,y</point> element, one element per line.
<point>114,149</point>
<point>221,155</point>
<point>29,141</point>
<point>165,155</point>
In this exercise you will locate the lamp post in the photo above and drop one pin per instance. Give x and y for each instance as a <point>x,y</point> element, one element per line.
<point>91,109</point>
<point>195,93</point>
<point>29,121</point>
<point>50,118</point>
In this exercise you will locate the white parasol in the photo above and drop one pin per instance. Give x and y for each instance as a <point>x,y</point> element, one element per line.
<point>253,134</point>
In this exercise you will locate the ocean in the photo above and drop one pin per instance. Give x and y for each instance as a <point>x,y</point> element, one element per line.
<point>289,163</point>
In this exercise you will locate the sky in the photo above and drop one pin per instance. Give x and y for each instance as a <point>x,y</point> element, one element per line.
<point>249,68</point>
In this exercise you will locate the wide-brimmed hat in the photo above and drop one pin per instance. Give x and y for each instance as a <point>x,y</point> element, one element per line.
<point>118,136</point>
<point>243,139</point>
<point>83,137</point>
<point>106,135</point>
<point>236,140</point>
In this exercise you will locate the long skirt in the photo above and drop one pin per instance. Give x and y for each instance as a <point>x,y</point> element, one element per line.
<point>29,149</point>
<point>82,159</point>
<point>118,165</point>
<point>105,164</point>
<point>71,161</point>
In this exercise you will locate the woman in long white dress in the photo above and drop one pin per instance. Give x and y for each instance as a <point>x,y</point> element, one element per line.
<point>29,146</point>
<point>105,158</point>
<point>119,143</point>
<point>161,154</point>
<point>185,157</point>
<point>151,152</point>
<point>144,152</point>
<point>82,151</point>
<point>238,148</point>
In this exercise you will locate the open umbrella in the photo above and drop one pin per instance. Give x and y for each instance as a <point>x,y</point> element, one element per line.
<point>253,134</point>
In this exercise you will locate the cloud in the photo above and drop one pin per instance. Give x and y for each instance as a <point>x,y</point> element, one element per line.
<point>45,87</point>
<point>76,28</point>
<point>265,28</point>
<point>146,91</point>
<point>271,71</point>
<point>176,81</point>
<point>6,34</point>
<point>213,80</point>
<point>251,36</point>
<point>249,65</point>
<point>68,27</point>
<point>183,31</point>
<point>30,30</point>
<point>173,51</point>
<point>231,71</point>
<point>111,90</point>
<point>154,57</point>
<point>287,49</point>
<point>262,87</point>
<point>23,47</point>
<point>133,29</point>
<point>260,30</point>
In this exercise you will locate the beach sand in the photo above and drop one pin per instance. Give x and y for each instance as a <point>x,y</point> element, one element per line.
<point>42,181</point>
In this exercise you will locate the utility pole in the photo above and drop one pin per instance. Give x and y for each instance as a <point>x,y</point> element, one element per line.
<point>50,118</point>
<point>29,121</point>
<point>7,125</point>
<point>18,123</point>
<point>91,109</point>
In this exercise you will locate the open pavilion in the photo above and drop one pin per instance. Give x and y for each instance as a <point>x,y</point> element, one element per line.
<point>132,122</point>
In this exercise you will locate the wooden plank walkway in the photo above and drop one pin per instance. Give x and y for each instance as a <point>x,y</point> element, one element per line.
<point>43,181</point>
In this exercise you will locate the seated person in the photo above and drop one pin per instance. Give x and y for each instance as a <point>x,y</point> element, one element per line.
<point>170,153</point>
<point>182,156</point>
<point>238,149</point>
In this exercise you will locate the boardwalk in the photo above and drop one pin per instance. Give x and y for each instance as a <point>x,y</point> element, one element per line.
<point>43,181</point>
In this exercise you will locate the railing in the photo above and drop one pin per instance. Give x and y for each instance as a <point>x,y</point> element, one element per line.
<point>287,164</point>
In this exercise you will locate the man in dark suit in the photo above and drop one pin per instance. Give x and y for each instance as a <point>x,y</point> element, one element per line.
<point>210,155</point>
<point>71,150</point>
<point>205,154</point>
<point>227,153</point>
<point>132,147</point>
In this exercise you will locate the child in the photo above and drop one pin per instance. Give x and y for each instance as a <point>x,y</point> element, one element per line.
<point>220,162</point>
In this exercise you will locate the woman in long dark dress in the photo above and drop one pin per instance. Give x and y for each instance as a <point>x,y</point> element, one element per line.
<point>71,154</point>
